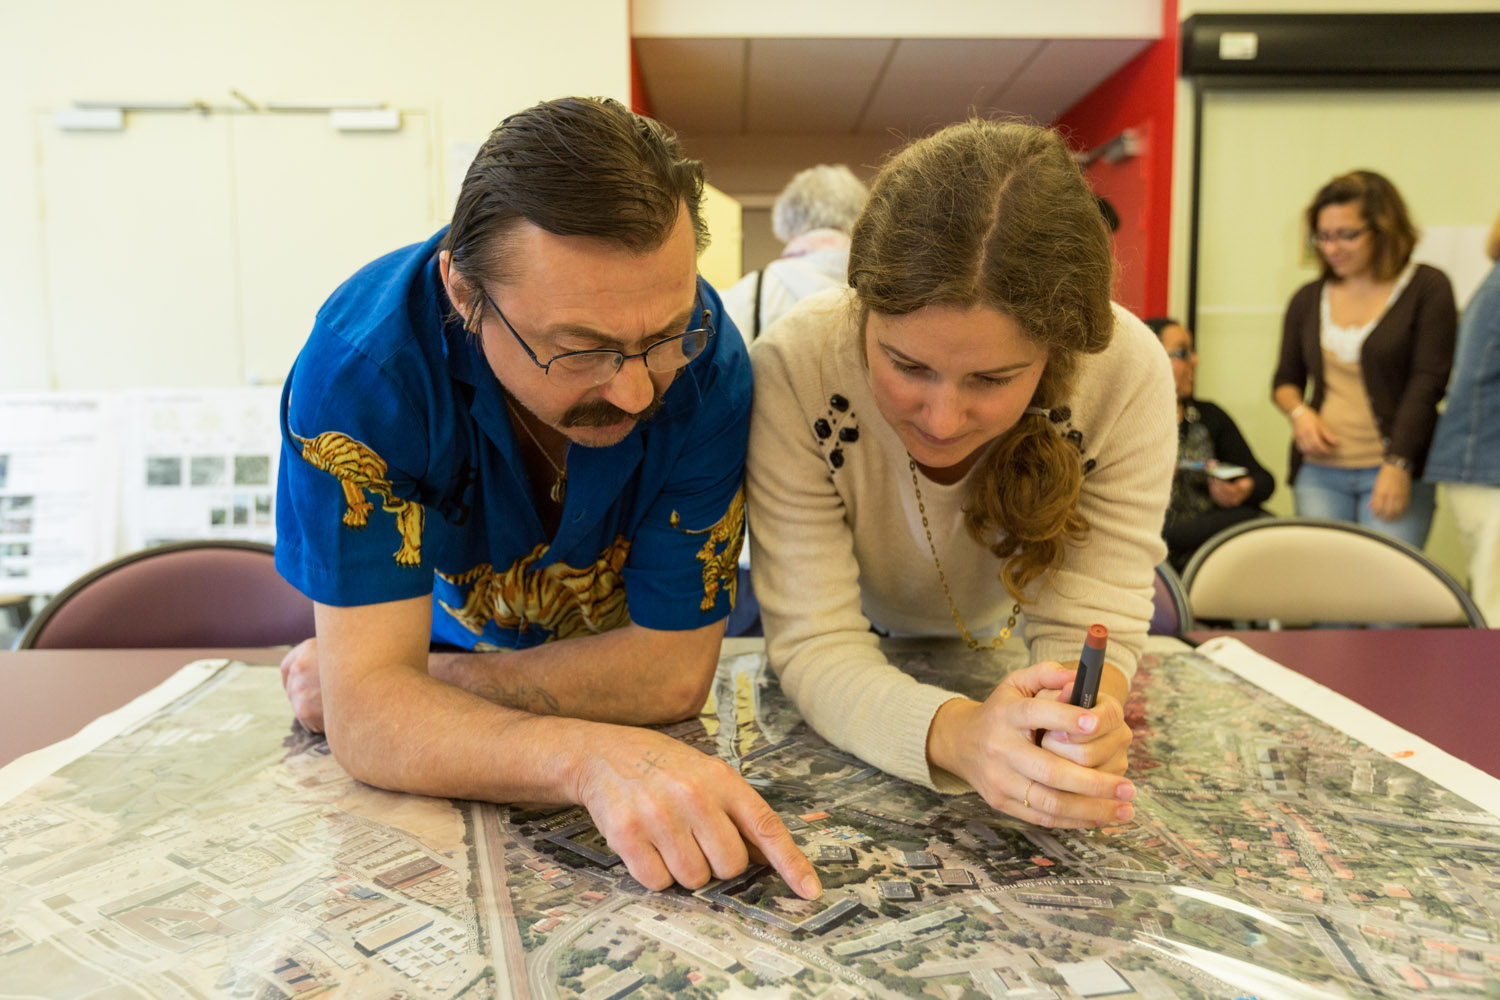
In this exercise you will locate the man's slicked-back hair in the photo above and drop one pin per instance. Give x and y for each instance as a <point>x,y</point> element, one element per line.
<point>577,166</point>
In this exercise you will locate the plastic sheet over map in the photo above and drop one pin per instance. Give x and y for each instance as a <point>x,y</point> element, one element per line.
<point>213,848</point>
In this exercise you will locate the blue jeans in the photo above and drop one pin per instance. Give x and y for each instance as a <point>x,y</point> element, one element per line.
<point>1344,495</point>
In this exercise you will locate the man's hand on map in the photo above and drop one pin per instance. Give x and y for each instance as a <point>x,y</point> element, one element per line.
<point>674,814</point>
<point>1072,780</point>
<point>299,676</point>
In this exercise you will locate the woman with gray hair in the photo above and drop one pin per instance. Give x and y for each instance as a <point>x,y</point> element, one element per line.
<point>813,216</point>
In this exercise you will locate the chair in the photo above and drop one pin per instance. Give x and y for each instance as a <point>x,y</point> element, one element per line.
<point>1301,571</point>
<point>187,594</point>
<point>1171,614</point>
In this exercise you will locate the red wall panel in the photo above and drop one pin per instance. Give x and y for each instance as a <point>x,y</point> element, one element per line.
<point>1140,96</point>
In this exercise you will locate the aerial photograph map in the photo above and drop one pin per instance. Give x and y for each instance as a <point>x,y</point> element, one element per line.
<point>216,849</point>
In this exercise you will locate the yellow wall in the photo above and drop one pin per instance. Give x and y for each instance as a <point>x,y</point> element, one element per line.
<point>1264,155</point>
<point>720,263</point>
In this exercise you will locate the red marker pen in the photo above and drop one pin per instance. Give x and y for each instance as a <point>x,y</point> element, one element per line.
<point>1090,673</point>
<point>1090,668</point>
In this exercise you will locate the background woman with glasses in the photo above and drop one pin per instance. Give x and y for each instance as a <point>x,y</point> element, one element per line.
<point>1373,335</point>
<point>1218,482</point>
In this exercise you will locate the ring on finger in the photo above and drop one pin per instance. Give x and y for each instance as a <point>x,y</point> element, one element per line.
<point>1026,796</point>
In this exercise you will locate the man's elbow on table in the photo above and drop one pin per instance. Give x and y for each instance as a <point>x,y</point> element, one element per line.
<point>379,705</point>
<point>686,688</point>
<point>369,744</point>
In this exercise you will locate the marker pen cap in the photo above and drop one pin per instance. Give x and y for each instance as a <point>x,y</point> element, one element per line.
<point>1097,638</point>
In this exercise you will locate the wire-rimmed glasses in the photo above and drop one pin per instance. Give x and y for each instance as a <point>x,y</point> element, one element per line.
<point>597,366</point>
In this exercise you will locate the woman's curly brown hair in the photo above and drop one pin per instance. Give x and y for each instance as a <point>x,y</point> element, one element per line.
<point>997,214</point>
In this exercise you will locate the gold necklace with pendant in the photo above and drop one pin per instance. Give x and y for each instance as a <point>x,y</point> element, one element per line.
<point>560,484</point>
<point>963,629</point>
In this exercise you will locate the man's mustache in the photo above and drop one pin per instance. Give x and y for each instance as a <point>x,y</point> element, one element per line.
<point>602,413</point>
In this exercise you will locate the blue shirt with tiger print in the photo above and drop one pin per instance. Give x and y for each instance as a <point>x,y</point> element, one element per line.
<point>401,476</point>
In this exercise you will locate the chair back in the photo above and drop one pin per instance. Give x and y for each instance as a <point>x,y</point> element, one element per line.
<point>1170,614</point>
<point>1304,571</point>
<point>187,594</point>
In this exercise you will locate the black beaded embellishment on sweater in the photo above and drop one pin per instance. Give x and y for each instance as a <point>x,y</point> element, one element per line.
<point>1063,415</point>
<point>837,428</point>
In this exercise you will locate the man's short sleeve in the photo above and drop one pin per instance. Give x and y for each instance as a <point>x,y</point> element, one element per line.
<point>684,558</point>
<point>350,529</point>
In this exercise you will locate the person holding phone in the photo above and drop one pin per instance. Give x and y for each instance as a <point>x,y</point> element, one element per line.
<point>1218,482</point>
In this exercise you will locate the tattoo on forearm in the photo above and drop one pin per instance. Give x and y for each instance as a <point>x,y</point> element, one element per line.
<point>526,697</point>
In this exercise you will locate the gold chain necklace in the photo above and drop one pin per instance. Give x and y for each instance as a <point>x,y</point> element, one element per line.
<point>560,485</point>
<point>963,629</point>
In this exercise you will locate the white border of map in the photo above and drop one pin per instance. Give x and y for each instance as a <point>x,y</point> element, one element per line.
<point>1375,731</point>
<point>25,771</point>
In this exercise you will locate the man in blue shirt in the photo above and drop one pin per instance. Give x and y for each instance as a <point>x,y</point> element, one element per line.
<point>525,430</point>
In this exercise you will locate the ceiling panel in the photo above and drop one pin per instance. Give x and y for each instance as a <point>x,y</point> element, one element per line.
<point>811,85</point>
<point>866,86</point>
<point>936,81</point>
<point>696,84</point>
<point>1063,72</point>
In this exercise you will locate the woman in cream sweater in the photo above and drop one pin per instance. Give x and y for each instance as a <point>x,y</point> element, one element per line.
<point>968,431</point>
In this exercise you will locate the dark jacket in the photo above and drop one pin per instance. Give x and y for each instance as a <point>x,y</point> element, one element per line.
<point>1184,532</point>
<point>1230,448</point>
<point>1404,361</point>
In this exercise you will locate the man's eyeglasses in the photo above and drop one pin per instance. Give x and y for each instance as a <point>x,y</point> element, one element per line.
<point>1339,235</point>
<point>1181,354</point>
<point>585,369</point>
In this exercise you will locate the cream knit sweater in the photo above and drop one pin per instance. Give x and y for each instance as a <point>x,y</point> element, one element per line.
<point>837,542</point>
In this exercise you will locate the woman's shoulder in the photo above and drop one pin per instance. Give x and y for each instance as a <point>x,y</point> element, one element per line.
<point>1212,413</point>
<point>810,343</point>
<point>1306,295</point>
<point>1133,364</point>
<point>813,320</point>
<point>1427,278</point>
<point>1131,344</point>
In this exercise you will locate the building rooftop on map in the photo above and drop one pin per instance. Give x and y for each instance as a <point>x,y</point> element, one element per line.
<point>615,986</point>
<point>1095,978</point>
<point>897,889</point>
<point>955,876</point>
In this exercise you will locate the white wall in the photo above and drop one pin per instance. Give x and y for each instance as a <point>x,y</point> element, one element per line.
<point>457,65</point>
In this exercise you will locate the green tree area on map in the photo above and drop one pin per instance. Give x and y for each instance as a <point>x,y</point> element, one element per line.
<point>886,976</point>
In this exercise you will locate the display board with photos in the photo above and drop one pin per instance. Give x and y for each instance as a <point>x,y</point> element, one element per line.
<point>86,477</point>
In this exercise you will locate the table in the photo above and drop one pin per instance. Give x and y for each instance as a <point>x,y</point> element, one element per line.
<point>51,694</point>
<point>215,848</point>
<point>1437,683</point>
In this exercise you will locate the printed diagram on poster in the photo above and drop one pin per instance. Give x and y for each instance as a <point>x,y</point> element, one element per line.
<point>58,484</point>
<point>212,847</point>
<point>201,464</point>
<point>86,477</point>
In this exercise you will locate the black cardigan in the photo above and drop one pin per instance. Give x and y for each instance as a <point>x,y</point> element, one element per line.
<point>1404,362</point>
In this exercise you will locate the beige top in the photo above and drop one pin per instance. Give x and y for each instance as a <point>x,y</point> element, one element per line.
<point>1346,410</point>
<point>837,542</point>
